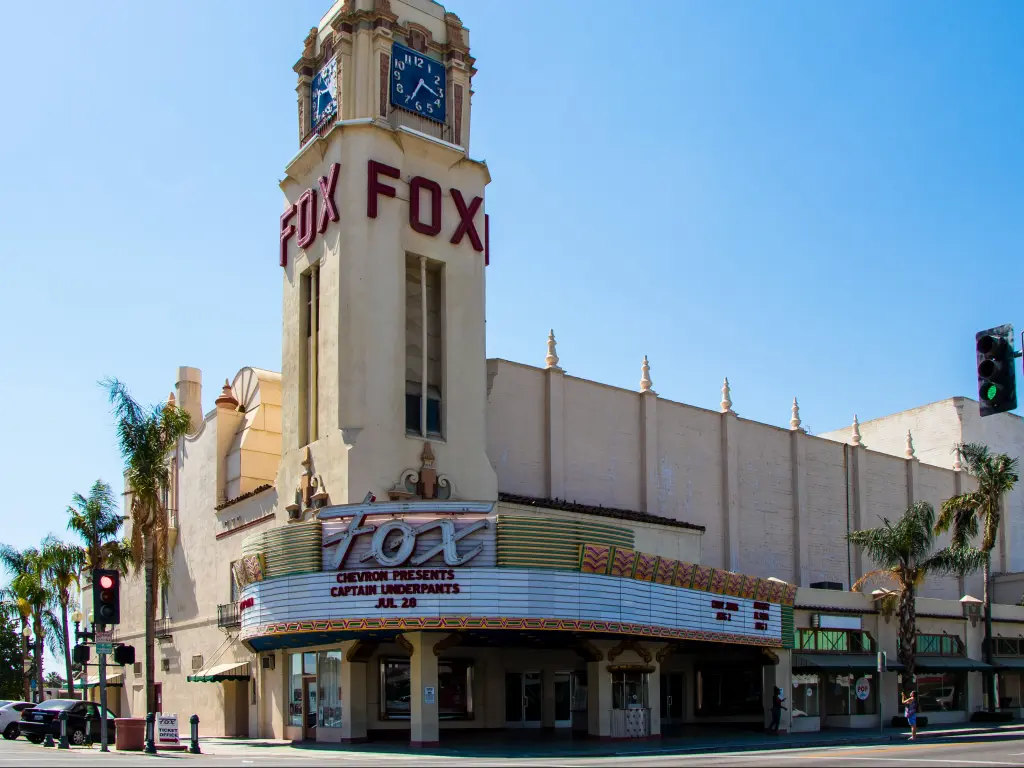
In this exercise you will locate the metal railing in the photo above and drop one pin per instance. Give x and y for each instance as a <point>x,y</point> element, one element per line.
<point>162,629</point>
<point>835,641</point>
<point>228,615</point>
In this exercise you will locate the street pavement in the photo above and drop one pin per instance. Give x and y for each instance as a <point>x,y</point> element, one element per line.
<point>995,748</point>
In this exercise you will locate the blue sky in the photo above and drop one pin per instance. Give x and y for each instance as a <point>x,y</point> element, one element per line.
<point>806,197</point>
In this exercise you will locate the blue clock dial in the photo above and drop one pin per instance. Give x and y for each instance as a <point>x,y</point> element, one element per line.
<point>418,83</point>
<point>323,94</point>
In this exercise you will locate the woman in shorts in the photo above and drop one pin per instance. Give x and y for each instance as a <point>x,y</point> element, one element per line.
<point>910,702</point>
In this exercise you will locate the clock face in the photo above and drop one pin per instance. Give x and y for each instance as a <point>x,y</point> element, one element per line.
<point>418,83</point>
<point>323,94</point>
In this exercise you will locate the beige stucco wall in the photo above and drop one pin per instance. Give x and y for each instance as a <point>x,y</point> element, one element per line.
<point>935,429</point>
<point>774,502</point>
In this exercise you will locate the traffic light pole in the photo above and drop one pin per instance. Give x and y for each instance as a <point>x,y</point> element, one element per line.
<point>103,702</point>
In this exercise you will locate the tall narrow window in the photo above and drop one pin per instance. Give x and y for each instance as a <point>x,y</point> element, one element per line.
<point>309,289</point>
<point>424,347</point>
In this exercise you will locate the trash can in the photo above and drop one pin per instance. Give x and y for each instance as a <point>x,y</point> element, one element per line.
<point>130,734</point>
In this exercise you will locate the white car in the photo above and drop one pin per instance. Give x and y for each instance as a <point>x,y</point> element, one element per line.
<point>10,716</point>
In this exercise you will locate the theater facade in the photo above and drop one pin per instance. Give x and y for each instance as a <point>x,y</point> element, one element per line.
<point>412,614</point>
<point>397,537</point>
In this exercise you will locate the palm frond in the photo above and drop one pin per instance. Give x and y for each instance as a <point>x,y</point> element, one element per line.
<point>953,560</point>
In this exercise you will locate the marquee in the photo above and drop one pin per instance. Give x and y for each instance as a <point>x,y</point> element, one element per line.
<point>417,565</point>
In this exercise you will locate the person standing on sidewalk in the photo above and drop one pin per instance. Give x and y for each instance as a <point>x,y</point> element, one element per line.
<point>910,702</point>
<point>776,711</point>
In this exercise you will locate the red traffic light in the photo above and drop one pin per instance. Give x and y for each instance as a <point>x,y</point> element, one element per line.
<point>106,582</point>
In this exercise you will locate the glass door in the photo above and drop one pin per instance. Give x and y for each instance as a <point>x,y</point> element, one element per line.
<point>672,698</point>
<point>310,710</point>
<point>563,700</point>
<point>523,695</point>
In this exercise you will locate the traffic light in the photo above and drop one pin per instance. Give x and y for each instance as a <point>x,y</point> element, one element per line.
<point>106,596</point>
<point>124,654</point>
<point>997,379</point>
<point>80,654</point>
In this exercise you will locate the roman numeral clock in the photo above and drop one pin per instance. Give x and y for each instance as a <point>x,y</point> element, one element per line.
<point>418,83</point>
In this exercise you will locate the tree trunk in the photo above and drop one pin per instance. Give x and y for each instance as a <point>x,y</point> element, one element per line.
<point>38,652</point>
<point>67,651</point>
<point>150,629</point>
<point>989,677</point>
<point>25,655</point>
<point>908,636</point>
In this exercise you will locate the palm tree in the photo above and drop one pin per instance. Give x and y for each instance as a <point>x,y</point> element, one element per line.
<point>15,604</point>
<point>904,553</point>
<point>980,510</point>
<point>146,436</point>
<point>96,521</point>
<point>63,563</point>
<point>29,581</point>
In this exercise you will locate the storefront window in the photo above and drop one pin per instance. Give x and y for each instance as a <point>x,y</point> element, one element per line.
<point>295,690</point>
<point>299,665</point>
<point>943,692</point>
<point>1009,689</point>
<point>805,696</point>
<point>849,694</point>
<point>454,694</point>
<point>455,689</point>
<point>725,691</point>
<point>629,690</point>
<point>395,690</point>
<point>329,689</point>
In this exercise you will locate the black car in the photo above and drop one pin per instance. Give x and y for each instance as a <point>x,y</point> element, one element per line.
<point>42,719</point>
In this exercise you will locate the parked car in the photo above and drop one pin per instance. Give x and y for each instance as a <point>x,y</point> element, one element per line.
<point>10,717</point>
<point>41,719</point>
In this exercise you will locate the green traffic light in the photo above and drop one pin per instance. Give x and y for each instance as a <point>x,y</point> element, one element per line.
<point>991,391</point>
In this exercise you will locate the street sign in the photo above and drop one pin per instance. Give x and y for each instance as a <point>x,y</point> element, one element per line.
<point>104,636</point>
<point>104,649</point>
<point>26,664</point>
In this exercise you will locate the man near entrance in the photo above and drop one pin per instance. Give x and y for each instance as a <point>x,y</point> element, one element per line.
<point>777,708</point>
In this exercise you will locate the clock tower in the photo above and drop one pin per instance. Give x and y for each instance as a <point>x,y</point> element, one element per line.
<point>383,247</point>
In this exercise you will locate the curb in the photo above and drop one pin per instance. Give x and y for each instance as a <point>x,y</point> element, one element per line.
<point>1002,734</point>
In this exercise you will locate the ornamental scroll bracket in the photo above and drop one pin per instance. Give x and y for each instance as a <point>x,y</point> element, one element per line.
<point>424,483</point>
<point>404,644</point>
<point>626,644</point>
<point>667,651</point>
<point>361,651</point>
<point>587,651</point>
<point>451,641</point>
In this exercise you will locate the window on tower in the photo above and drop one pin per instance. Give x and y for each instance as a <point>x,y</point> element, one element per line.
<point>424,347</point>
<point>309,298</point>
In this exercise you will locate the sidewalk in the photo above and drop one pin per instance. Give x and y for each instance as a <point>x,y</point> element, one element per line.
<point>512,745</point>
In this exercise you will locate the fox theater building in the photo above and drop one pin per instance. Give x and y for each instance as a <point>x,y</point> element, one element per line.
<point>397,537</point>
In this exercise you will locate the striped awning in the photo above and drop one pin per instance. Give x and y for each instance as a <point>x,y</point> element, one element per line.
<point>928,663</point>
<point>93,681</point>
<point>234,670</point>
<point>841,662</point>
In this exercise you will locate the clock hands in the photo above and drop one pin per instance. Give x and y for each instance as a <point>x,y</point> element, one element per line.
<point>428,88</point>
<point>419,85</point>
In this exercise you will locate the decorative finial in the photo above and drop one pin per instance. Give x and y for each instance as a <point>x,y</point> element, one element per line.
<point>855,434</point>
<point>552,358</point>
<point>226,398</point>
<point>957,464</point>
<point>794,421</point>
<point>726,402</point>
<point>910,446</point>
<point>645,376</point>
<point>171,402</point>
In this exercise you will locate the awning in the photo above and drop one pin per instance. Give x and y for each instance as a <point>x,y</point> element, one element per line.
<point>950,664</point>
<point>93,681</point>
<point>235,670</point>
<point>841,661</point>
<point>1008,662</point>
